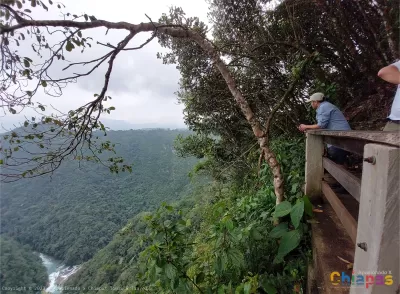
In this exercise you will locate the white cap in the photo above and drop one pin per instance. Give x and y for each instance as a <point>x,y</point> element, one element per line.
<point>316,97</point>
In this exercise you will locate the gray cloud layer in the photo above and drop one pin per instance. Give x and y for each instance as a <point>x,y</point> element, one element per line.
<point>141,86</point>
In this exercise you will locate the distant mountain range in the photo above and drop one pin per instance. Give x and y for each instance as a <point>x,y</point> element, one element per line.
<point>10,122</point>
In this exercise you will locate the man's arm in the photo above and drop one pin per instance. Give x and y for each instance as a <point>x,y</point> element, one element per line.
<point>390,73</point>
<point>308,127</point>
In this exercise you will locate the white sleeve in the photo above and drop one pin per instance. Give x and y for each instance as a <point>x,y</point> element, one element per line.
<point>397,64</point>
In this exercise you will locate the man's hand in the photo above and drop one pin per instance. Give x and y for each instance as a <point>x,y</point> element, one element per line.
<point>302,127</point>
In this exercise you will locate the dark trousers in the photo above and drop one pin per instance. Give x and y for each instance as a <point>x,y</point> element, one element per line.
<point>337,155</point>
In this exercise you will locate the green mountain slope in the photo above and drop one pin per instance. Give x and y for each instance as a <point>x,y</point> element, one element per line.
<point>77,210</point>
<point>218,239</point>
<point>21,271</point>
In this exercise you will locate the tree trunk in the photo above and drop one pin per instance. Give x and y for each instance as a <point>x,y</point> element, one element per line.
<point>175,32</point>
<point>261,134</point>
<point>389,31</point>
<point>275,167</point>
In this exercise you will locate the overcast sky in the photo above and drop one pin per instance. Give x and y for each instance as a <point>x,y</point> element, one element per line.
<point>141,86</point>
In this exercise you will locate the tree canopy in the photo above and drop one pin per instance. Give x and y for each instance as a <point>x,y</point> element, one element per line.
<point>20,269</point>
<point>241,81</point>
<point>73,214</point>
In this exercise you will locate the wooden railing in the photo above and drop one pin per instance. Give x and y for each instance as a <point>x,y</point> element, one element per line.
<point>376,234</point>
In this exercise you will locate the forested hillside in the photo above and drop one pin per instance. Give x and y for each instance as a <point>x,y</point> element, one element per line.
<point>218,239</point>
<point>77,210</point>
<point>21,271</point>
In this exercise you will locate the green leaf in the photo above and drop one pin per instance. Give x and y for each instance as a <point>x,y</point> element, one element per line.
<point>44,84</point>
<point>279,230</point>
<point>289,241</point>
<point>26,62</point>
<point>308,206</point>
<point>1,161</point>
<point>297,213</point>
<point>69,46</point>
<point>200,277</point>
<point>80,34</point>
<point>235,256</point>
<point>247,288</point>
<point>256,235</point>
<point>278,259</point>
<point>294,187</point>
<point>167,223</point>
<point>269,288</point>
<point>170,271</point>
<point>112,108</point>
<point>283,209</point>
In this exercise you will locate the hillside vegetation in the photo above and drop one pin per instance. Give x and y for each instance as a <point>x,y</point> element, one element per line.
<point>21,271</point>
<point>220,239</point>
<point>77,210</point>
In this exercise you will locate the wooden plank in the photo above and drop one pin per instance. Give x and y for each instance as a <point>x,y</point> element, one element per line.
<point>389,138</point>
<point>349,181</point>
<point>347,220</point>
<point>314,169</point>
<point>352,145</point>
<point>378,220</point>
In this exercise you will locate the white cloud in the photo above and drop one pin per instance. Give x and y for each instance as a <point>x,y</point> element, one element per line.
<point>141,86</point>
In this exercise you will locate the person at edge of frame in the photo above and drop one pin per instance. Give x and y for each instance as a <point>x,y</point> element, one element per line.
<point>391,74</point>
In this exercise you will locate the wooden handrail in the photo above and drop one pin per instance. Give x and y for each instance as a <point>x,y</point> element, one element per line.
<point>376,231</point>
<point>348,144</point>
<point>347,220</point>
<point>349,181</point>
<point>387,138</point>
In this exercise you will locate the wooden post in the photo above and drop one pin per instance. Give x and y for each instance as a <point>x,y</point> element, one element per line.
<point>314,169</point>
<point>378,242</point>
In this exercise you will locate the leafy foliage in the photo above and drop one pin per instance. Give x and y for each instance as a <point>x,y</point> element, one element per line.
<point>221,239</point>
<point>20,269</point>
<point>77,211</point>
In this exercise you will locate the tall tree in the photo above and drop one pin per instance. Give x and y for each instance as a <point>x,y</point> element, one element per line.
<point>81,122</point>
<point>231,85</point>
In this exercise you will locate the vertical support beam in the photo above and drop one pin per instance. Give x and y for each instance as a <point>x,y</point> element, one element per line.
<point>378,221</point>
<point>314,169</point>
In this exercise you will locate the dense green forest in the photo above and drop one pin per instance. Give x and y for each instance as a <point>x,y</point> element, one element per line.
<point>218,238</point>
<point>21,271</point>
<point>77,210</point>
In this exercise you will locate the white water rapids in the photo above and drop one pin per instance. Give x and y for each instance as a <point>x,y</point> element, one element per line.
<point>58,273</point>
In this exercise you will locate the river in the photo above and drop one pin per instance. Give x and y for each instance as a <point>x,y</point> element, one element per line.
<point>58,273</point>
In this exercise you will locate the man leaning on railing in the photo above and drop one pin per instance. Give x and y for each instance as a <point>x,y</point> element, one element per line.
<point>329,117</point>
<point>391,74</point>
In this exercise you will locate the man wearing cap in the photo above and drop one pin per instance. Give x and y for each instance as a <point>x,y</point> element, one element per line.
<point>329,117</point>
<point>391,74</point>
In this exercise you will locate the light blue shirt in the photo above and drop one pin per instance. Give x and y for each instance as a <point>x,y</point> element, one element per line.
<point>395,111</point>
<point>329,117</point>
